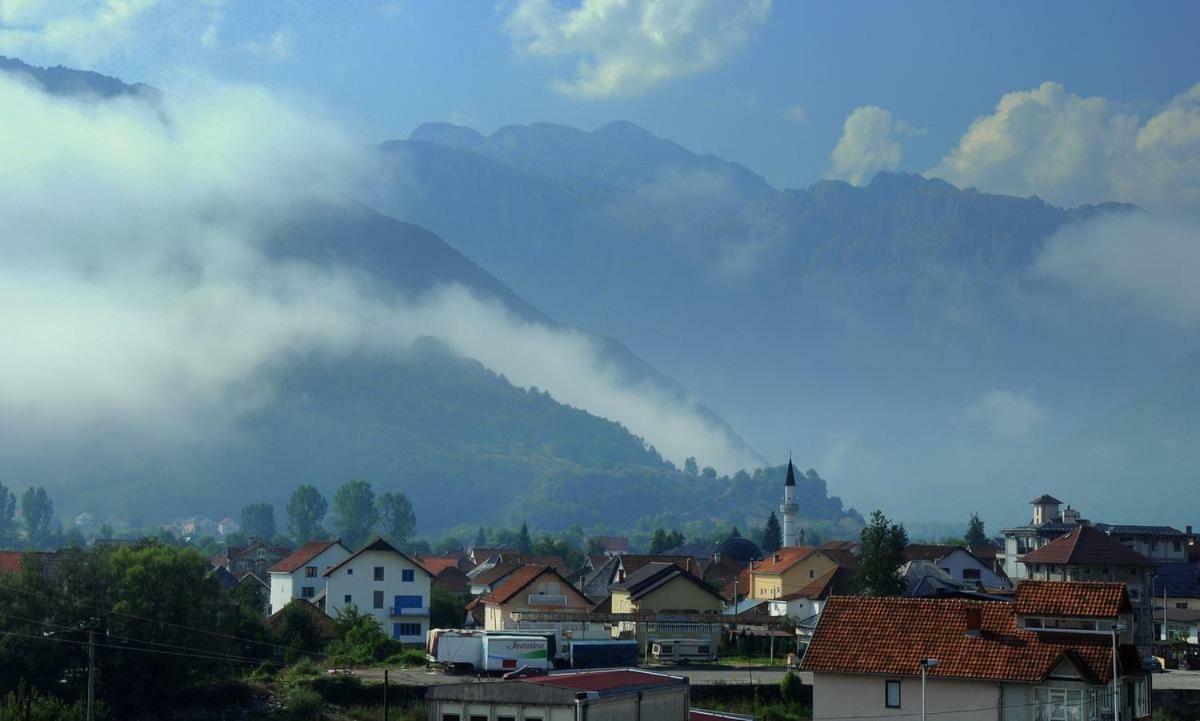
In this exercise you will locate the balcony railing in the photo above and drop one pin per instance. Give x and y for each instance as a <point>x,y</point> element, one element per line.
<point>543,599</point>
<point>409,611</point>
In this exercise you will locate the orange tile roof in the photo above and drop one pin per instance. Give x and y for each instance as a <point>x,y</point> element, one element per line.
<point>783,559</point>
<point>817,588</point>
<point>522,577</point>
<point>301,556</point>
<point>436,564</point>
<point>890,636</point>
<point>1090,599</point>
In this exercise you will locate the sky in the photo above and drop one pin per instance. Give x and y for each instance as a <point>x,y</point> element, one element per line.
<point>770,85</point>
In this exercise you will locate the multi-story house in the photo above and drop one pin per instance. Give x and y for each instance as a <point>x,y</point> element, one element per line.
<point>1086,554</point>
<point>380,580</point>
<point>298,575</point>
<point>530,588</point>
<point>960,564</point>
<point>1049,656</point>
<point>257,557</point>
<point>790,569</point>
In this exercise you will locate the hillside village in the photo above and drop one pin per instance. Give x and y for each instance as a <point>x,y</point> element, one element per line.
<point>1057,617</point>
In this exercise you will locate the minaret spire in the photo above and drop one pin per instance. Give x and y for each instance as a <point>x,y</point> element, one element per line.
<point>790,509</point>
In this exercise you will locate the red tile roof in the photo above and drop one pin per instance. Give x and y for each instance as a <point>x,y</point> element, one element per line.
<point>606,680</point>
<point>436,564</point>
<point>522,577</point>
<point>820,587</point>
<point>301,556</point>
<point>783,559</point>
<point>10,561</point>
<point>45,561</point>
<point>1086,546</point>
<point>891,635</point>
<point>928,551</point>
<point>1080,598</point>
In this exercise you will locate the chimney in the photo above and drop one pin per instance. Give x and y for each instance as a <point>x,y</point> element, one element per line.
<point>974,617</point>
<point>1187,530</point>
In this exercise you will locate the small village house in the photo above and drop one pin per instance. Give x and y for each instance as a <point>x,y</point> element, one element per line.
<point>298,575</point>
<point>530,588</point>
<point>790,569</point>
<point>380,580</point>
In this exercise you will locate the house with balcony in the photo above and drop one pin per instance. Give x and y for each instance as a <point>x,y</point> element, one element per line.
<point>380,580</point>
<point>1048,656</point>
<point>530,588</point>
<point>1086,554</point>
<point>300,573</point>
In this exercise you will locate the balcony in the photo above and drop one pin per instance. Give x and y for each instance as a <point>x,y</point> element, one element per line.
<point>538,600</point>
<point>409,611</point>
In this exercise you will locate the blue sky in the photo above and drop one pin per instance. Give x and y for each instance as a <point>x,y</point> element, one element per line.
<point>386,67</point>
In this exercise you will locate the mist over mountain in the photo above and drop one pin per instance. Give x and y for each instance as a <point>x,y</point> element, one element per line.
<point>901,333</point>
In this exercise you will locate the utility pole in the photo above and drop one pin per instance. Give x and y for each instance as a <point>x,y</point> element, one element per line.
<point>385,695</point>
<point>91,699</point>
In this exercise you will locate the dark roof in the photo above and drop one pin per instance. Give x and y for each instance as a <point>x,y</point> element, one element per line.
<point>1086,546</point>
<point>694,549</point>
<point>302,555</point>
<point>652,575</point>
<point>1181,580</point>
<point>452,579</point>
<point>1046,498</point>
<point>1089,599</point>
<point>791,474</point>
<point>1124,529</point>
<point>254,578</point>
<point>867,635</point>
<point>928,551</point>
<point>740,549</point>
<point>378,544</point>
<point>324,623</point>
<point>627,679</point>
<point>632,562</point>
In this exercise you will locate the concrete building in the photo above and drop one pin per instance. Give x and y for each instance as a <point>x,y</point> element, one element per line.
<point>1086,554</point>
<point>298,575</point>
<point>610,695</point>
<point>1046,657</point>
<point>384,582</point>
<point>789,511</point>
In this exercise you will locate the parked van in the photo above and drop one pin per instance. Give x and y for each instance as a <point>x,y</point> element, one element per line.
<point>509,653</point>
<point>682,650</point>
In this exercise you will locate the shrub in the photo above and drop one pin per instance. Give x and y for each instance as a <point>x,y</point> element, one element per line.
<point>303,704</point>
<point>42,708</point>
<point>299,673</point>
<point>790,688</point>
<point>409,658</point>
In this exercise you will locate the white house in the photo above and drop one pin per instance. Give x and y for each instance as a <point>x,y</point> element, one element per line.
<point>384,582</point>
<point>959,563</point>
<point>298,575</point>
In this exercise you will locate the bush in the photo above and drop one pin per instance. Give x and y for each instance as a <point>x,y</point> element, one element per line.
<point>340,689</point>
<point>409,659</point>
<point>43,708</point>
<point>303,704</point>
<point>300,673</point>
<point>790,688</point>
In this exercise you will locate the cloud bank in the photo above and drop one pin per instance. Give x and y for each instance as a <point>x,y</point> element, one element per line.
<point>137,297</point>
<point>1007,413</point>
<point>82,30</point>
<point>628,47</point>
<point>1072,150</point>
<point>870,143</point>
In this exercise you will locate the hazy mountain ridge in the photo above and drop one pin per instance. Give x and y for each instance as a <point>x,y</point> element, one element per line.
<point>60,80</point>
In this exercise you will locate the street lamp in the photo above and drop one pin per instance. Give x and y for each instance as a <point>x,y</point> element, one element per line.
<point>1117,628</point>
<point>926,664</point>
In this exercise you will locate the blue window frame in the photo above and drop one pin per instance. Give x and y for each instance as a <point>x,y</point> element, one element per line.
<point>402,602</point>
<point>407,575</point>
<point>405,630</point>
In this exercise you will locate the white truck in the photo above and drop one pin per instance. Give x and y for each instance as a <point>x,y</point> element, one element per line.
<point>488,651</point>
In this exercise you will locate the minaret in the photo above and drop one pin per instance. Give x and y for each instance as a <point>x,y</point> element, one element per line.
<point>789,509</point>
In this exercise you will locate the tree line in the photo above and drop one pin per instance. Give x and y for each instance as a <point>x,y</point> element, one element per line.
<point>358,514</point>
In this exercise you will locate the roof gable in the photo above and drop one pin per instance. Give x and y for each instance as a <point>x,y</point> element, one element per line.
<point>1085,545</point>
<point>378,544</point>
<point>305,553</point>
<point>522,577</point>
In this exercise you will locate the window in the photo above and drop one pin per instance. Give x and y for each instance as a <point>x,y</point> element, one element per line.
<point>1058,704</point>
<point>307,592</point>
<point>450,717</point>
<point>377,600</point>
<point>402,602</point>
<point>310,571</point>
<point>891,694</point>
<point>346,599</point>
<point>811,572</point>
<point>406,575</point>
<point>379,573</point>
<point>971,574</point>
<point>475,717</point>
<point>506,718</point>
<point>349,571</point>
<point>405,630</point>
<point>1181,604</point>
<point>1033,623</point>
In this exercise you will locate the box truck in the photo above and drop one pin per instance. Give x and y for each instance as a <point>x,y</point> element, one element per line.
<point>604,654</point>
<point>509,653</point>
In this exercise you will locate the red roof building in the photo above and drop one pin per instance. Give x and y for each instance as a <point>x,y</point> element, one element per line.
<point>866,656</point>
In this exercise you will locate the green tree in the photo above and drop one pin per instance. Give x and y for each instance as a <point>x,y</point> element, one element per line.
<point>658,542</point>
<point>298,631</point>
<point>559,546</point>
<point>791,688</point>
<point>360,640</point>
<point>690,466</point>
<point>975,536</point>
<point>709,473</point>
<point>524,542</point>
<point>354,512</point>
<point>735,533</point>
<point>8,517</point>
<point>674,539</point>
<point>594,547</point>
<point>397,517</point>
<point>37,511</point>
<point>306,509</point>
<point>258,519</point>
<point>446,610</point>
<point>772,535</point>
<point>105,531</point>
<point>480,538</point>
<point>880,555</point>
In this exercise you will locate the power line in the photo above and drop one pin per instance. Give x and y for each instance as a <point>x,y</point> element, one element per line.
<point>123,648</point>
<point>159,621</point>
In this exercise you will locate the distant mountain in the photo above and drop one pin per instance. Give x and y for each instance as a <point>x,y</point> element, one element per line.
<point>856,325</point>
<point>60,80</point>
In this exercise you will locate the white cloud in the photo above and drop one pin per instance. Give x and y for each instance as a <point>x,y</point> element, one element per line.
<point>81,30</point>
<point>838,448</point>
<point>870,143</point>
<point>1012,414</point>
<point>137,300</point>
<point>279,47</point>
<point>1136,261</point>
<point>627,47</point>
<point>797,114</point>
<point>1072,150</point>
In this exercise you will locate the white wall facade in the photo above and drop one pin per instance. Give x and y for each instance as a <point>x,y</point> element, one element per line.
<point>305,582</point>
<point>962,566</point>
<point>403,582</point>
<point>840,696</point>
